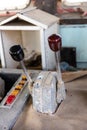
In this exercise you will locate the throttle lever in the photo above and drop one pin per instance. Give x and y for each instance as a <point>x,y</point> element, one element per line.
<point>17,54</point>
<point>55,44</point>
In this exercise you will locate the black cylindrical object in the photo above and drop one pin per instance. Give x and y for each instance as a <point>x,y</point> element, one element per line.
<point>17,53</point>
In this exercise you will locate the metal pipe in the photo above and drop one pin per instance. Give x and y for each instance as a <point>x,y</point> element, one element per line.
<point>25,71</point>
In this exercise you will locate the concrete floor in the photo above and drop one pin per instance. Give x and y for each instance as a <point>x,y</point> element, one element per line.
<point>71,114</point>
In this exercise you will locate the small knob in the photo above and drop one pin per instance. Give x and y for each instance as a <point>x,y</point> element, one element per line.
<point>55,42</point>
<point>16,52</point>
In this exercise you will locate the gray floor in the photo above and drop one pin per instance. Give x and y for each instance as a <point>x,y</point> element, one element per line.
<point>71,114</point>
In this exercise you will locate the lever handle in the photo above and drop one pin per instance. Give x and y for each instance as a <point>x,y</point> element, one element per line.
<point>55,45</point>
<point>16,52</point>
<point>55,42</point>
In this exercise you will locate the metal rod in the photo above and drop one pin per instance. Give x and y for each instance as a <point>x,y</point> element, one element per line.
<point>25,70</point>
<point>57,58</point>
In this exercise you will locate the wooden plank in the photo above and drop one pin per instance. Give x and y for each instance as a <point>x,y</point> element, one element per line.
<point>70,76</point>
